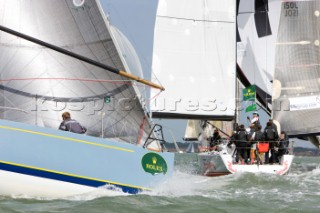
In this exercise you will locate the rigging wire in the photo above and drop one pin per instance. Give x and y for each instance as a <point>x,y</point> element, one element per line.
<point>128,32</point>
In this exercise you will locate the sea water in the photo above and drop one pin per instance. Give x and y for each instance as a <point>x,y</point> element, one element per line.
<point>186,191</point>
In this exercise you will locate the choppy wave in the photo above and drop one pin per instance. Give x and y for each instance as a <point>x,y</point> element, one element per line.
<point>299,191</point>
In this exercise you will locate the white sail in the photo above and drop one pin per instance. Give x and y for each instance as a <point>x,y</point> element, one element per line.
<point>296,88</point>
<point>190,148</point>
<point>193,130</point>
<point>38,84</point>
<point>194,57</point>
<point>258,23</point>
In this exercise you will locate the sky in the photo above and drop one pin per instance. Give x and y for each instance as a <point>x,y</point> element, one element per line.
<point>135,19</point>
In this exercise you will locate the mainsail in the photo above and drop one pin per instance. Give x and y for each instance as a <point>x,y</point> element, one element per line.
<point>194,58</point>
<point>258,22</point>
<point>296,88</point>
<point>37,84</point>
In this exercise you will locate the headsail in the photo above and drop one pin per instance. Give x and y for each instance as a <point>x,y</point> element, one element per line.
<point>194,58</point>
<point>296,88</point>
<point>193,130</point>
<point>190,148</point>
<point>37,84</point>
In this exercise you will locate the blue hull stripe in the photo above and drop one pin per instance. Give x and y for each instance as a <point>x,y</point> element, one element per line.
<point>62,177</point>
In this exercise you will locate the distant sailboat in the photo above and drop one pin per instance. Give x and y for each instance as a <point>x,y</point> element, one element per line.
<point>190,148</point>
<point>56,56</point>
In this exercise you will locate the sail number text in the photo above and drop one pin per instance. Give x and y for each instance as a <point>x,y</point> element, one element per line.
<point>291,8</point>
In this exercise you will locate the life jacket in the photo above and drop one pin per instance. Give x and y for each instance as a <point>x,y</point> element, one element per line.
<point>242,137</point>
<point>259,136</point>
<point>270,134</point>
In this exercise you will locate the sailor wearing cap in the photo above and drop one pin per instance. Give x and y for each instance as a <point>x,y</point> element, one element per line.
<point>255,118</point>
<point>254,122</point>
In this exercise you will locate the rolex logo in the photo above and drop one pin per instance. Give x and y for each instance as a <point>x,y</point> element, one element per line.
<point>154,160</point>
<point>154,163</point>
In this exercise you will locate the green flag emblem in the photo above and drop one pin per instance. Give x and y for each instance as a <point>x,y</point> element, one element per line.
<point>252,107</point>
<point>249,93</point>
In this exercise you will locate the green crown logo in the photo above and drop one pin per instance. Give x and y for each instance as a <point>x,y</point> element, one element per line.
<point>154,160</point>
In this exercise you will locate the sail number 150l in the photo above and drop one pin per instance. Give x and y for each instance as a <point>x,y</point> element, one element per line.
<point>291,8</point>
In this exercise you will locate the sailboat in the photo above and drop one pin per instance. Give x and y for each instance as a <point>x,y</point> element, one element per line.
<point>190,148</point>
<point>258,23</point>
<point>61,56</point>
<point>201,82</point>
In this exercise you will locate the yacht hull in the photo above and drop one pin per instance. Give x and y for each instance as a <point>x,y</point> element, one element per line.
<point>36,161</point>
<point>217,163</point>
